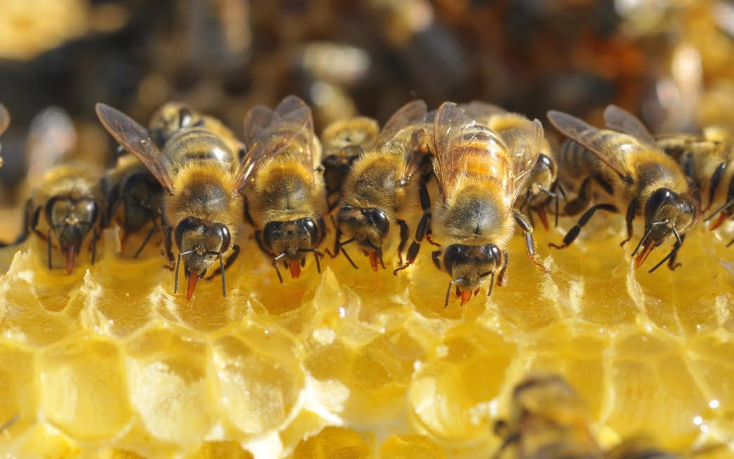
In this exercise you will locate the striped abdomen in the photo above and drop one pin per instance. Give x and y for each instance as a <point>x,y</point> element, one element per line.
<point>477,154</point>
<point>199,145</point>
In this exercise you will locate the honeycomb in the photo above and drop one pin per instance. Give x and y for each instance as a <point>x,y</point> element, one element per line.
<point>108,363</point>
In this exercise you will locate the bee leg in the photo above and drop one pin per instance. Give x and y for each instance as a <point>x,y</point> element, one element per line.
<point>275,265</point>
<point>415,246</point>
<point>502,277</point>
<point>337,240</point>
<point>562,193</point>
<point>730,243</point>
<point>426,207</point>
<point>581,202</point>
<point>714,184</point>
<point>672,265</point>
<point>491,284</point>
<point>227,263</point>
<point>574,232</point>
<point>332,205</point>
<point>435,256</point>
<point>529,241</point>
<point>113,203</point>
<point>248,217</point>
<point>404,234</point>
<point>631,211</point>
<point>168,247</point>
<point>147,239</point>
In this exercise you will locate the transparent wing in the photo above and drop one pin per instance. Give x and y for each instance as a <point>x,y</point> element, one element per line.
<point>409,114</point>
<point>600,143</point>
<point>419,148</point>
<point>523,145</point>
<point>479,110</point>
<point>256,119</point>
<point>290,130</point>
<point>4,119</point>
<point>50,138</point>
<point>136,140</point>
<point>623,121</point>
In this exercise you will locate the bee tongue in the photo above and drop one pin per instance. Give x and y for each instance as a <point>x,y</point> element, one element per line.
<point>193,279</point>
<point>642,256</point>
<point>719,220</point>
<point>543,217</point>
<point>295,269</point>
<point>373,260</point>
<point>70,260</point>
<point>465,296</point>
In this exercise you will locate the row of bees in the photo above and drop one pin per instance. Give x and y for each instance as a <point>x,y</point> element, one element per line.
<point>190,180</point>
<point>547,418</point>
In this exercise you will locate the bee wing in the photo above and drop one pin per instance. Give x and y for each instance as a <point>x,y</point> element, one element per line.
<point>50,138</point>
<point>599,145</point>
<point>4,119</point>
<point>135,139</point>
<point>477,109</point>
<point>523,144</point>
<point>409,114</point>
<point>623,121</point>
<point>290,122</point>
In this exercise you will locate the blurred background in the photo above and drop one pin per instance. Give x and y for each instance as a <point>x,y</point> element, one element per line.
<point>670,61</point>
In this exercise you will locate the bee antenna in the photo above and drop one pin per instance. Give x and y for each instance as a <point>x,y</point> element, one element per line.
<point>448,292</point>
<point>275,265</point>
<point>725,206</point>
<point>221,266</point>
<point>178,263</point>
<point>678,244</point>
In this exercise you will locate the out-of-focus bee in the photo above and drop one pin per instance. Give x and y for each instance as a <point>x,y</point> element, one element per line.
<point>4,123</point>
<point>480,176</point>
<point>379,189</point>
<point>639,448</point>
<point>708,159</point>
<point>547,420</point>
<point>633,173</point>
<point>134,196</point>
<point>343,141</point>
<point>286,199</point>
<point>67,205</point>
<point>198,169</point>
<point>542,186</point>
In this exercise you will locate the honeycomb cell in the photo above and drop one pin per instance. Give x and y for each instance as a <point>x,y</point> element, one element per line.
<point>335,442</point>
<point>19,389</point>
<point>258,377</point>
<point>220,449</point>
<point>116,453</point>
<point>83,389</point>
<point>409,447</point>
<point>304,425</point>
<point>167,377</point>
<point>46,441</point>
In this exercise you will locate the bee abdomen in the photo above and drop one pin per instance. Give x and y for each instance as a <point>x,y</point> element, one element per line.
<point>198,145</point>
<point>575,160</point>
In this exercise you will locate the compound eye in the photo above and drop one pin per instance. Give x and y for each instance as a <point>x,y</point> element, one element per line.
<point>184,117</point>
<point>226,237</point>
<point>378,218</point>
<point>546,161</point>
<point>656,200</point>
<point>185,225</point>
<point>310,226</point>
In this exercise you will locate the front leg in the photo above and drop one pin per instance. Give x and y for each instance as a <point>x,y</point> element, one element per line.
<point>574,232</point>
<point>404,235</point>
<point>436,257</point>
<point>631,212</point>
<point>168,247</point>
<point>424,229</point>
<point>529,241</point>
<point>502,278</point>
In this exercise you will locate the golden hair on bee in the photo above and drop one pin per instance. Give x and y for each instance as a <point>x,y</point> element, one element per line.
<point>634,175</point>
<point>4,123</point>
<point>480,175</point>
<point>202,177</point>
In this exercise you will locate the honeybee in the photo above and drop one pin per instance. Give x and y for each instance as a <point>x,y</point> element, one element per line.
<point>379,190</point>
<point>4,123</point>
<point>547,420</point>
<point>133,189</point>
<point>198,170</point>
<point>480,176</point>
<point>66,205</point>
<point>633,173</point>
<point>285,201</point>
<point>343,141</point>
<point>639,448</point>
<point>708,159</point>
<point>542,186</point>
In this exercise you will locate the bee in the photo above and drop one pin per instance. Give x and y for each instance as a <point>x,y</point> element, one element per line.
<point>202,176</point>
<point>66,206</point>
<point>480,176</point>
<point>4,123</point>
<point>708,159</point>
<point>343,141</point>
<point>542,186</point>
<point>379,190</point>
<point>132,188</point>
<point>285,201</point>
<point>639,448</point>
<point>547,420</point>
<point>633,174</point>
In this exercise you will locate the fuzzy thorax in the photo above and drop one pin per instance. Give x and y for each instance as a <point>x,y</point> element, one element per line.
<point>286,190</point>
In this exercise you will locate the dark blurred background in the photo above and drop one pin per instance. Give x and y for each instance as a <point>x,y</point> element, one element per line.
<point>670,61</point>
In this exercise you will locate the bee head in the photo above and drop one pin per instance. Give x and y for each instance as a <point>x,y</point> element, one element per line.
<point>71,220</point>
<point>200,244</point>
<point>468,265</point>
<point>666,213</point>
<point>170,118</point>
<point>541,181</point>
<point>141,195</point>
<point>292,240</point>
<point>368,227</point>
<point>337,166</point>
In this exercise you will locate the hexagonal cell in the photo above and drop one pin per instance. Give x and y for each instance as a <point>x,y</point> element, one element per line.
<point>19,389</point>
<point>258,378</point>
<point>83,390</point>
<point>220,449</point>
<point>409,447</point>
<point>167,381</point>
<point>45,441</point>
<point>335,442</point>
